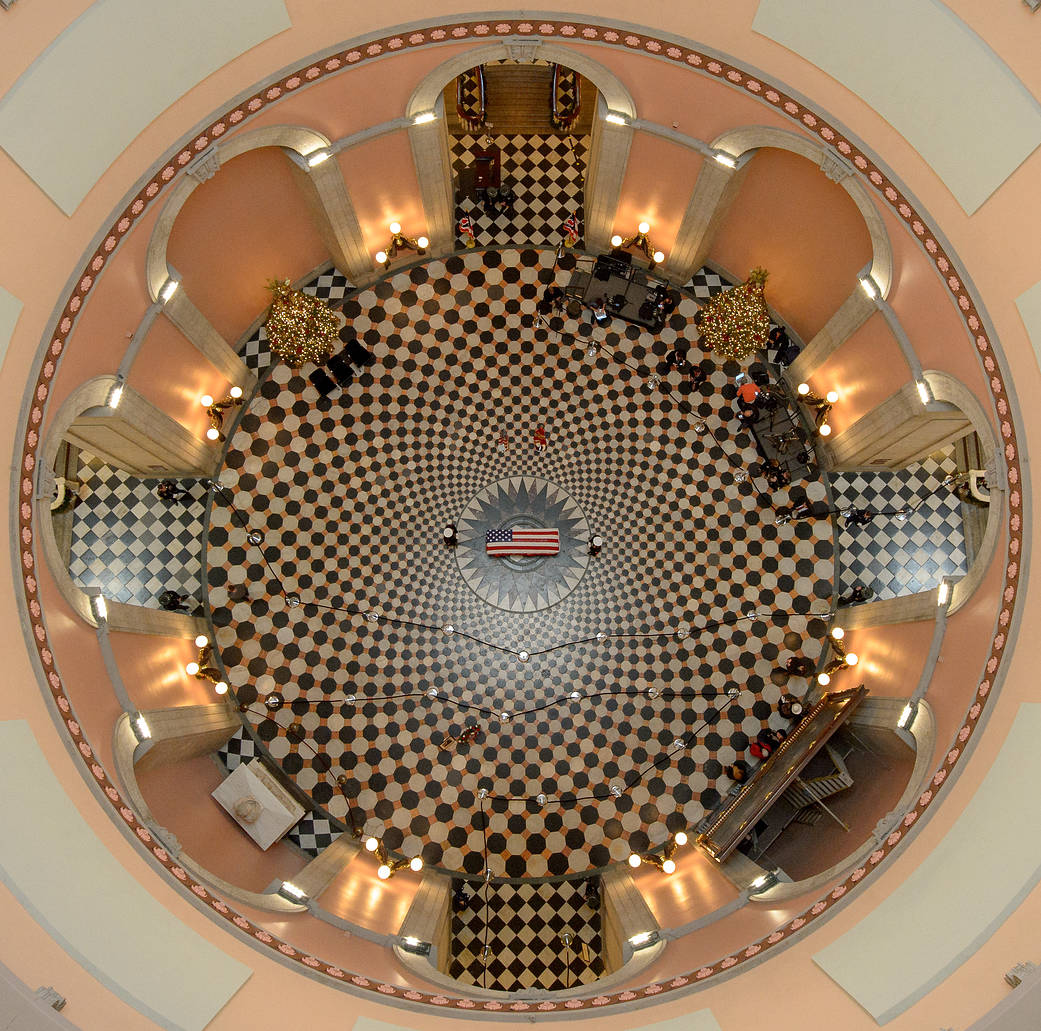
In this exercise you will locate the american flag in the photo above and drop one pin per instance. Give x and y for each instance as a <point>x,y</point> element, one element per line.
<point>522,542</point>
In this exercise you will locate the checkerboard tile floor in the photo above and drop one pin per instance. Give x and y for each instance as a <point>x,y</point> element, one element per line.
<point>349,494</point>
<point>546,176</point>
<point>895,556</point>
<point>332,286</point>
<point>511,937</point>
<point>129,542</point>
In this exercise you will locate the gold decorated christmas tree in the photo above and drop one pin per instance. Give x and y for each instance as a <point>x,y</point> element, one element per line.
<point>300,328</point>
<point>735,323</point>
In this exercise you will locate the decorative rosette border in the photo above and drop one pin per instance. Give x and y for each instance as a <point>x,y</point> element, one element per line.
<point>568,31</point>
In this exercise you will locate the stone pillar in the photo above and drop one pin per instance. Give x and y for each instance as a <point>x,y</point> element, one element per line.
<point>710,200</point>
<point>624,913</point>
<point>429,918</point>
<point>898,432</point>
<point>433,162</point>
<point>139,438</point>
<point>185,733</point>
<point>911,608</point>
<point>605,171</point>
<point>208,342</point>
<point>330,204</point>
<point>137,619</point>
<point>854,311</point>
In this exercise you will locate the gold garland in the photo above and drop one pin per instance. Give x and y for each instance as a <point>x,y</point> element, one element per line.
<point>300,328</point>
<point>736,323</point>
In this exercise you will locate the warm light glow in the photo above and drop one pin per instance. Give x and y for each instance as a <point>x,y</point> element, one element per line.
<point>852,658</point>
<point>615,119</point>
<point>943,593</point>
<point>395,228</point>
<point>201,641</point>
<point>668,866</point>
<point>383,871</point>
<point>643,938</point>
<point>220,687</point>
<point>838,633</point>
<point>727,160</point>
<point>867,284</point>
<point>191,668</point>
<point>235,392</point>
<point>923,391</point>
<point>381,257</point>
<point>634,860</point>
<point>371,844</point>
<point>416,864</point>
<point>212,433</point>
<point>905,716</point>
<point>410,940</point>
<point>823,679</point>
<point>680,837</point>
<point>831,396</point>
<point>206,400</point>
<point>100,608</point>
<point>425,118</point>
<point>291,889</point>
<point>824,430</point>
<point>423,243</point>
<point>803,388</point>
<point>760,882</point>
<point>317,158</point>
<point>141,727</point>
<point>115,395</point>
<point>169,289</point>
<point>644,227</point>
<point>616,240</point>
<point>659,256</point>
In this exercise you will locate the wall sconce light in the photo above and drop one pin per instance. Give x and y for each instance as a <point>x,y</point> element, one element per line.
<point>765,880</point>
<point>170,287</point>
<point>643,939</point>
<point>425,118</point>
<point>216,409</point>
<point>316,157</point>
<point>614,118</point>
<point>843,659</point>
<point>725,159</point>
<point>410,943</point>
<point>400,242</point>
<point>663,861</point>
<point>943,593</point>
<point>202,670</point>
<point>99,609</point>
<point>923,391</point>
<point>819,406</point>
<point>907,715</point>
<point>115,393</point>
<point>641,242</point>
<point>388,867</point>
<point>870,287</point>
<point>141,728</point>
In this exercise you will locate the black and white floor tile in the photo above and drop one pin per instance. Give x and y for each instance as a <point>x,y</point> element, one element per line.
<point>129,542</point>
<point>705,284</point>
<point>546,176</point>
<point>909,552</point>
<point>332,286</point>
<point>512,937</point>
<point>350,494</point>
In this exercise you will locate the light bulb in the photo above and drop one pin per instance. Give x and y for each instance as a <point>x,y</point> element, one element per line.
<point>804,389</point>
<point>220,687</point>
<point>395,228</point>
<point>831,397</point>
<point>823,679</point>
<point>825,430</point>
<point>668,866</point>
<point>634,860</point>
<point>616,240</point>
<point>383,871</point>
<point>371,844</point>
<point>644,227</point>
<point>659,256</point>
<point>206,400</point>
<point>680,837</point>
<point>838,633</point>
<point>191,668</point>
<point>423,243</point>
<point>852,659</point>
<point>201,641</point>
<point>416,864</point>
<point>381,257</point>
<point>235,392</point>
<point>212,433</point>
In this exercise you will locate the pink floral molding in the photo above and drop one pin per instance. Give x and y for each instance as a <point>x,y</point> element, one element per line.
<point>733,76</point>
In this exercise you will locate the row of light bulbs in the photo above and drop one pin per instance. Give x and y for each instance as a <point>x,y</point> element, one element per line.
<point>663,862</point>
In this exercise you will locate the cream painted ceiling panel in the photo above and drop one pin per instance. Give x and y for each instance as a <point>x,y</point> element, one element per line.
<point>1029,305</point>
<point>10,309</point>
<point>959,895</point>
<point>110,73</point>
<point>702,1020</point>
<point>928,74</point>
<point>59,870</point>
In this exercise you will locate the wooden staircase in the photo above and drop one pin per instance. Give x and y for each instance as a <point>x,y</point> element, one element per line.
<point>805,793</point>
<point>518,102</point>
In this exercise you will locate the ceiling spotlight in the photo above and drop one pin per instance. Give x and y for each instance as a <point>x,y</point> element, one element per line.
<point>634,860</point>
